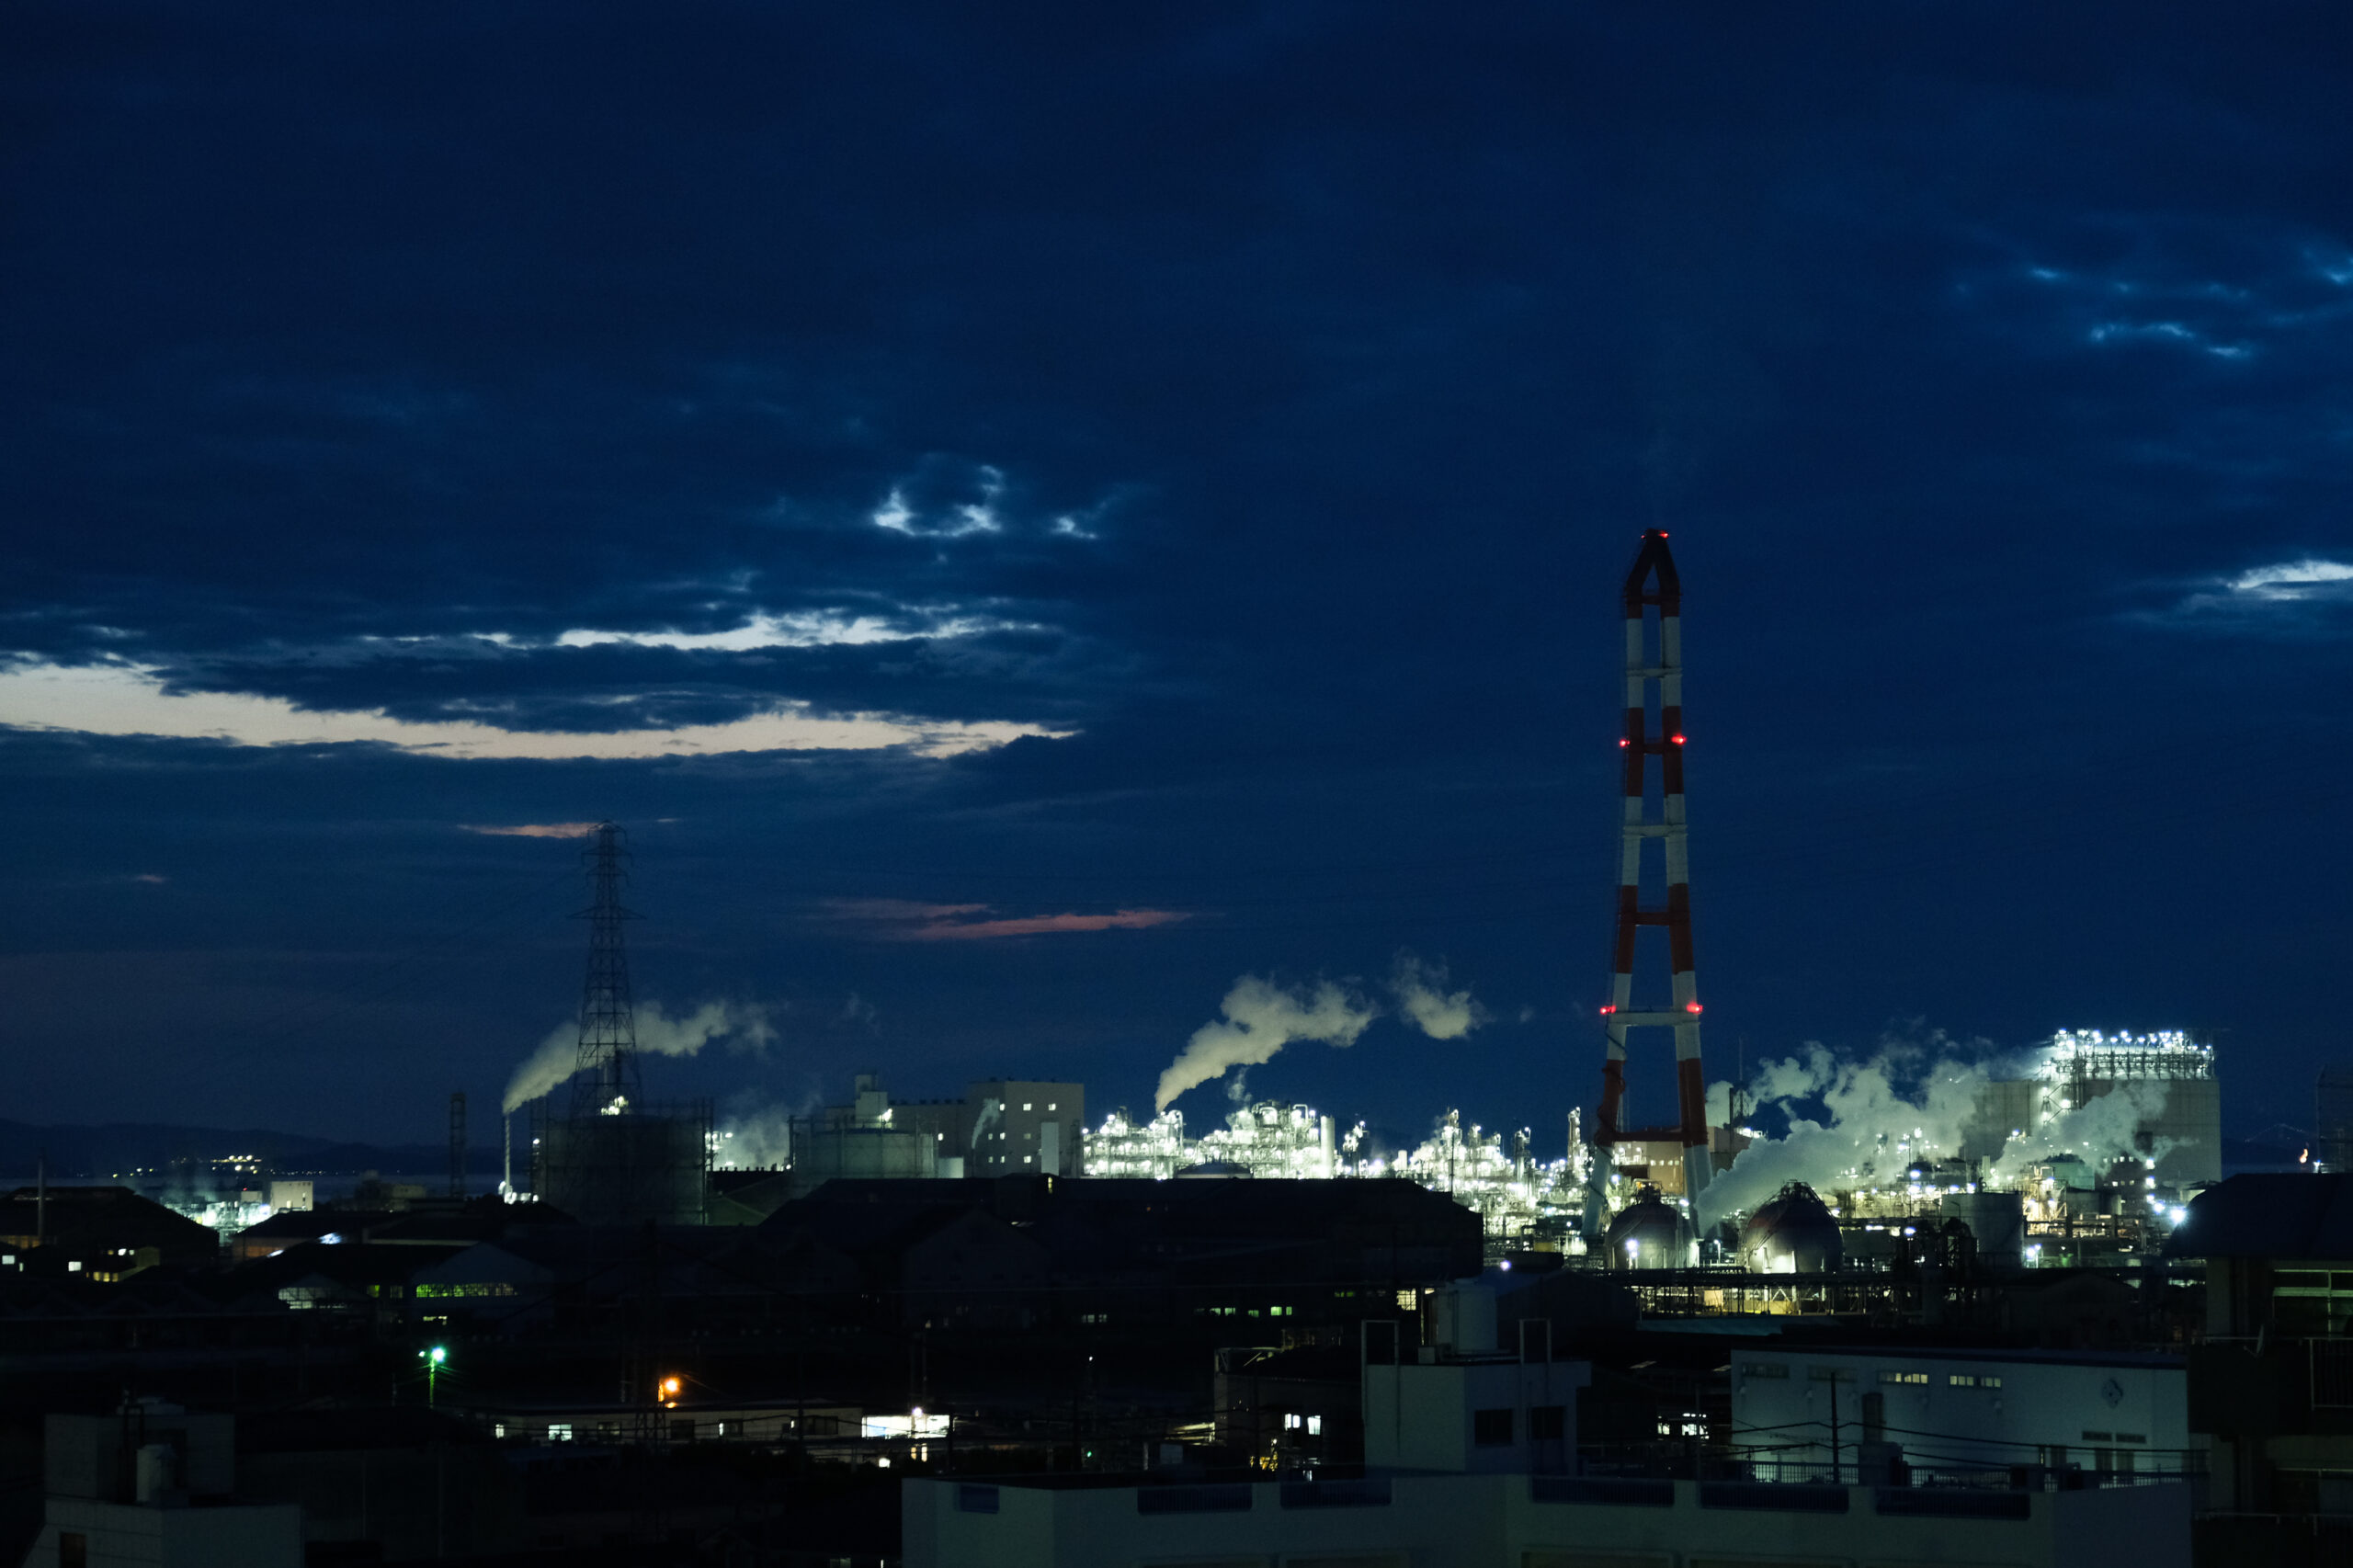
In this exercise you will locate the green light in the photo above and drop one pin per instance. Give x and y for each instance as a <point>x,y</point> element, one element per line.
<point>439,1354</point>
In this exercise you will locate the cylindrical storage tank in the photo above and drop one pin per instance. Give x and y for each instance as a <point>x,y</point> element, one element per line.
<point>1650,1233</point>
<point>605,1170</point>
<point>1997,1221</point>
<point>1794,1233</point>
<point>853,1152</point>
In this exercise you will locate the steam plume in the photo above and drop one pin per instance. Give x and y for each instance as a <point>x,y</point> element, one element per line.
<point>1885,1113</point>
<point>1260,1019</point>
<point>744,1027</point>
<point>1439,1013</point>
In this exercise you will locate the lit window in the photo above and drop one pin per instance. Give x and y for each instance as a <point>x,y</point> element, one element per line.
<point>1315,1426</point>
<point>74,1268</point>
<point>560,1432</point>
<point>1904,1378</point>
<point>1025,1159</point>
<point>1027,1106</point>
<point>1049,1105</point>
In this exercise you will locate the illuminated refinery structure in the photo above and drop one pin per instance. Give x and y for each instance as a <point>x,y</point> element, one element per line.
<point>1519,1199</point>
<point>1651,585</point>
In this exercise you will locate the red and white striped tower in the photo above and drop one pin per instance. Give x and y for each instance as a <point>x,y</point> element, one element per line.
<point>1652,584</point>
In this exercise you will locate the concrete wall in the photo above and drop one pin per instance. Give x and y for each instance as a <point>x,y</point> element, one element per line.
<point>2041,1402</point>
<point>1509,1521</point>
<point>122,1535</point>
<point>1425,1417</point>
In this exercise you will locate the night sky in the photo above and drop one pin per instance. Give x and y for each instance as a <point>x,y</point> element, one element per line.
<point>945,475</point>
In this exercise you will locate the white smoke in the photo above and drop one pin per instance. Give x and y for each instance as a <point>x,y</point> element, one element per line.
<point>1882,1115</point>
<point>1910,1102</point>
<point>755,1140</point>
<point>1261,1018</point>
<point>755,1131</point>
<point>2099,1132</point>
<point>744,1026</point>
<point>1440,1014</point>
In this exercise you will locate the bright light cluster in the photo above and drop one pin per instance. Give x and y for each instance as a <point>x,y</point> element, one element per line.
<point>1509,1191</point>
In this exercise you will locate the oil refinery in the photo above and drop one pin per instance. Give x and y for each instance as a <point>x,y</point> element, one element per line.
<point>2085,1153</point>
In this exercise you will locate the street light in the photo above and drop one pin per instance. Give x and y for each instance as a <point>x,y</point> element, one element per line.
<point>433,1360</point>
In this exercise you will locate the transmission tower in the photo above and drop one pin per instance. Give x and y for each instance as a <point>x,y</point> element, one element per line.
<point>1651,585</point>
<point>605,1079</point>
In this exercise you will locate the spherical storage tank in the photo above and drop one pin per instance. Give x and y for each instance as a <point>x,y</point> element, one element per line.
<point>1794,1233</point>
<point>1650,1233</point>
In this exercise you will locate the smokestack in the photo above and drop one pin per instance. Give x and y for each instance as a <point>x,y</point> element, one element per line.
<point>1652,584</point>
<point>458,1145</point>
<point>506,1147</point>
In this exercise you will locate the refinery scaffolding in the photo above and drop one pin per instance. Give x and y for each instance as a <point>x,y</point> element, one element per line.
<point>613,1157</point>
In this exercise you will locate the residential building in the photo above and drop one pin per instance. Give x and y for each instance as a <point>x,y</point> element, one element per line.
<point>153,1484</point>
<point>2271,1385</point>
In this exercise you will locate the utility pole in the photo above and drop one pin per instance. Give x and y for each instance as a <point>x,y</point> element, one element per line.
<point>458,1145</point>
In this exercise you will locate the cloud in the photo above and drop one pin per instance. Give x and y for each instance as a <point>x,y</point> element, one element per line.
<point>800,628</point>
<point>2165,332</point>
<point>743,1025</point>
<point>2266,595</point>
<point>1438,1013</point>
<point>945,498</point>
<point>881,910</point>
<point>1044,924</point>
<point>902,921</point>
<point>2295,580</point>
<point>1261,1018</point>
<point>532,829</point>
<point>122,698</point>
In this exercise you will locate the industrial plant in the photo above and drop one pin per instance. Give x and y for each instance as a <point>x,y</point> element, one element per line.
<point>2086,1153</point>
<point>1867,1308</point>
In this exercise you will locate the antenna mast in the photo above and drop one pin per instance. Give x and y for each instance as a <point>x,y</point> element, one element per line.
<point>605,1079</point>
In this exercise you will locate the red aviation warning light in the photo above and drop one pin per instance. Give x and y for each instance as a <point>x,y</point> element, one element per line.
<point>1692,1007</point>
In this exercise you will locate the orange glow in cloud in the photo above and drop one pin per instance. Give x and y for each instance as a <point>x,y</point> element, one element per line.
<point>902,920</point>
<point>1040,925</point>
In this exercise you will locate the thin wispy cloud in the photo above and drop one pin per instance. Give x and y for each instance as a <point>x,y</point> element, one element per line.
<point>803,629</point>
<point>2296,581</point>
<point>2284,594</point>
<point>531,829</point>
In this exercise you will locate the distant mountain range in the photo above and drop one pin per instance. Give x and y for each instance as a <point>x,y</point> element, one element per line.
<point>152,1149</point>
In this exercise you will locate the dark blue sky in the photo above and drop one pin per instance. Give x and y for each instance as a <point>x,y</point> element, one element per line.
<point>1066,460</point>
